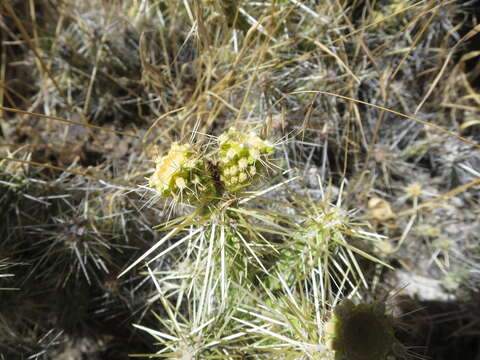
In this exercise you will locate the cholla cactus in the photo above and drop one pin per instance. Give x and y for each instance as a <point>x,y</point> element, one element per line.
<point>187,176</point>
<point>329,238</point>
<point>241,158</point>
<point>362,332</point>
<point>183,175</point>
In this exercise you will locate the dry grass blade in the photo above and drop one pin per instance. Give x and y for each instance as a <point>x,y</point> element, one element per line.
<point>25,36</point>
<point>468,36</point>
<point>426,123</point>
<point>68,171</point>
<point>363,28</point>
<point>71,122</point>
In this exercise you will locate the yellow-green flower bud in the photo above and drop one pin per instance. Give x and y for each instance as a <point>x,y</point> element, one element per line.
<point>182,174</point>
<point>241,157</point>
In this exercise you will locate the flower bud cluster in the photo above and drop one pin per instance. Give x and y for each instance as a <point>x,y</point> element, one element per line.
<point>191,176</point>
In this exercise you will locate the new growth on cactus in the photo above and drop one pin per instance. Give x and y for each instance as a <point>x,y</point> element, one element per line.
<point>241,158</point>
<point>183,175</point>
<point>188,175</point>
